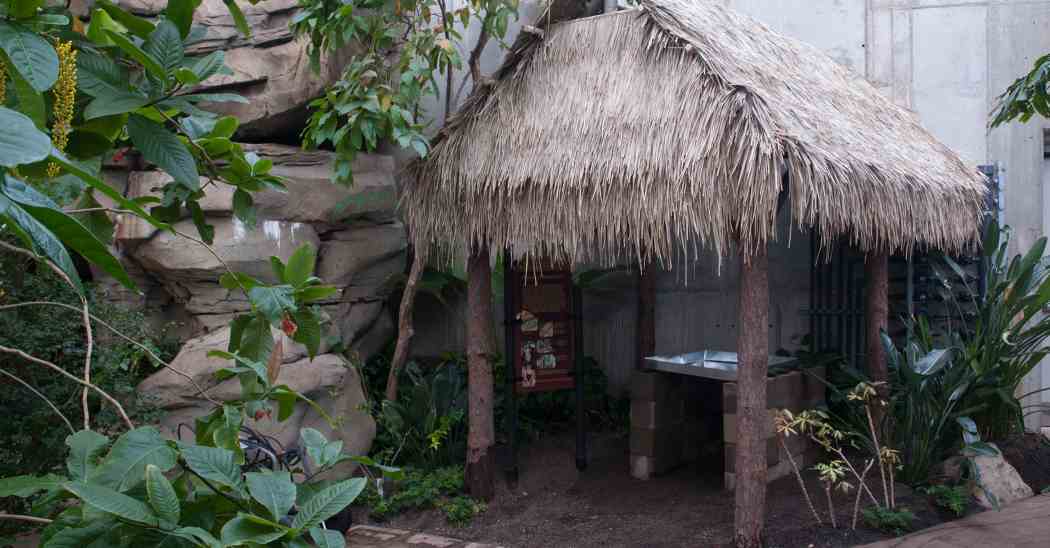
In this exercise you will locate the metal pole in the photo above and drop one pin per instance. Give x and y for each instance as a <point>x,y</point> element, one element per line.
<point>581,420</point>
<point>510,324</point>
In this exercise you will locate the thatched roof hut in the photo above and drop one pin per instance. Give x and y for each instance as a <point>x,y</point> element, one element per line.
<point>630,134</point>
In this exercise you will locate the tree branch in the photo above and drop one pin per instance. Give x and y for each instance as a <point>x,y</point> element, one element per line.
<point>20,517</point>
<point>30,388</point>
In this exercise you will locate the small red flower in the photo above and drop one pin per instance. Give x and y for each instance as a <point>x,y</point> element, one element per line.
<point>288,326</point>
<point>261,414</point>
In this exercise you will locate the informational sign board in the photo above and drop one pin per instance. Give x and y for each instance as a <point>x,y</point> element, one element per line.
<point>544,340</point>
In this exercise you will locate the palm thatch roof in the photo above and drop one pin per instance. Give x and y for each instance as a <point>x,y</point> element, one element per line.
<point>648,131</point>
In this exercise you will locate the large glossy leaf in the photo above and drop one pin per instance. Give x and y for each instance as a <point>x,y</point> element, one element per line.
<point>99,75</point>
<point>25,486</point>
<point>199,535</point>
<point>85,447</point>
<point>328,503</point>
<point>308,332</point>
<point>209,65</point>
<point>238,17</point>
<point>163,148</point>
<point>68,229</point>
<point>300,265</point>
<point>125,465</point>
<point>113,502</point>
<point>30,54</point>
<point>180,12</point>
<point>30,101</point>
<point>272,301</point>
<point>165,45</point>
<point>151,63</point>
<point>137,25</point>
<point>117,102</point>
<point>327,538</point>
<point>162,498</point>
<point>274,490</point>
<point>80,537</point>
<point>214,464</point>
<point>243,531</point>
<point>20,141</point>
<point>37,236</point>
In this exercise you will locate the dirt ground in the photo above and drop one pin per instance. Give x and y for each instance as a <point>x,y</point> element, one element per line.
<point>554,506</point>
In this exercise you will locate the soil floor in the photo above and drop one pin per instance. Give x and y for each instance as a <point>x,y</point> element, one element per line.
<point>1029,453</point>
<point>553,505</point>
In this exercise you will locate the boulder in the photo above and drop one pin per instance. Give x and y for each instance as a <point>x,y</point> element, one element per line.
<point>173,258</point>
<point>363,257</point>
<point>1000,480</point>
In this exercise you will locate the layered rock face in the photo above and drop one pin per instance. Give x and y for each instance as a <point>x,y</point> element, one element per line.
<point>361,244</point>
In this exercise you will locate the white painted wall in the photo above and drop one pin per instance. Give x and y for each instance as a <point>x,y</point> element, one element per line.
<point>947,60</point>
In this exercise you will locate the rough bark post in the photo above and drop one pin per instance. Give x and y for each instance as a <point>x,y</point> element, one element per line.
<point>405,330</point>
<point>480,468</point>
<point>876,320</point>
<point>753,353</point>
<point>646,343</point>
<point>876,282</point>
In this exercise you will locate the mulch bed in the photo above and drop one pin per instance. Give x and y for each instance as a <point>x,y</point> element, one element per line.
<point>554,505</point>
<point>1029,453</point>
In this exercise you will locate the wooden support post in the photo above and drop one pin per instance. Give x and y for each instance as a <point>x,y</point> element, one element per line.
<point>753,355</point>
<point>646,343</point>
<point>510,325</point>
<point>876,317</point>
<point>480,467</point>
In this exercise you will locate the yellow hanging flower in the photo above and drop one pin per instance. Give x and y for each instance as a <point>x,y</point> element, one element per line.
<point>3,82</point>
<point>65,95</point>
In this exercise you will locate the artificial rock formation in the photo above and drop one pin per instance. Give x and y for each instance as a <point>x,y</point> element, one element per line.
<point>361,245</point>
<point>999,484</point>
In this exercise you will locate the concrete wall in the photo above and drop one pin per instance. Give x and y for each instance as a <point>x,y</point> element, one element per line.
<point>947,60</point>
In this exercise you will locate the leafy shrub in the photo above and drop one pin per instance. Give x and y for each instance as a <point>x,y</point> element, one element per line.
<point>897,521</point>
<point>420,490</point>
<point>952,498</point>
<point>31,441</point>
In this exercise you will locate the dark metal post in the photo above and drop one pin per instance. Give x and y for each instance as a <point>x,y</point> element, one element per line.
<point>577,343</point>
<point>510,323</point>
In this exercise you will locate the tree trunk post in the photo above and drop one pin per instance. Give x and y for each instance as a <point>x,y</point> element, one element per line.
<point>480,468</point>
<point>646,342</point>
<point>753,355</point>
<point>876,281</point>
<point>876,320</point>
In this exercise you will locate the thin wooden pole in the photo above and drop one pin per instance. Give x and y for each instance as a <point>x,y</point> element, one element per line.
<point>646,343</point>
<point>876,281</point>
<point>753,354</point>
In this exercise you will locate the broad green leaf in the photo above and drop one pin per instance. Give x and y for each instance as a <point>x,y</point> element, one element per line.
<point>151,64</point>
<point>242,531</point>
<point>300,265</point>
<point>100,23</point>
<point>113,502</point>
<point>238,18</point>
<point>30,101</point>
<point>25,486</point>
<point>256,340</point>
<point>38,237</point>
<point>161,497</point>
<point>125,465</point>
<point>117,102</point>
<point>30,54</point>
<point>165,45</point>
<point>327,503</point>
<point>274,490</point>
<point>206,231</point>
<point>308,332</point>
<point>85,448</point>
<point>316,292</point>
<point>209,65</point>
<point>272,301</point>
<point>21,142</point>
<point>237,280</point>
<point>163,148</point>
<point>214,464</point>
<point>243,208</point>
<point>68,229</point>
<point>24,9</point>
<point>277,265</point>
<point>327,538</point>
<point>80,537</point>
<point>99,75</point>
<point>198,534</point>
<point>86,145</point>
<point>180,12</point>
<point>137,25</point>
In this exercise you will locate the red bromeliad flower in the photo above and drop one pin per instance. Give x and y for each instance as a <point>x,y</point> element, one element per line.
<point>288,326</point>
